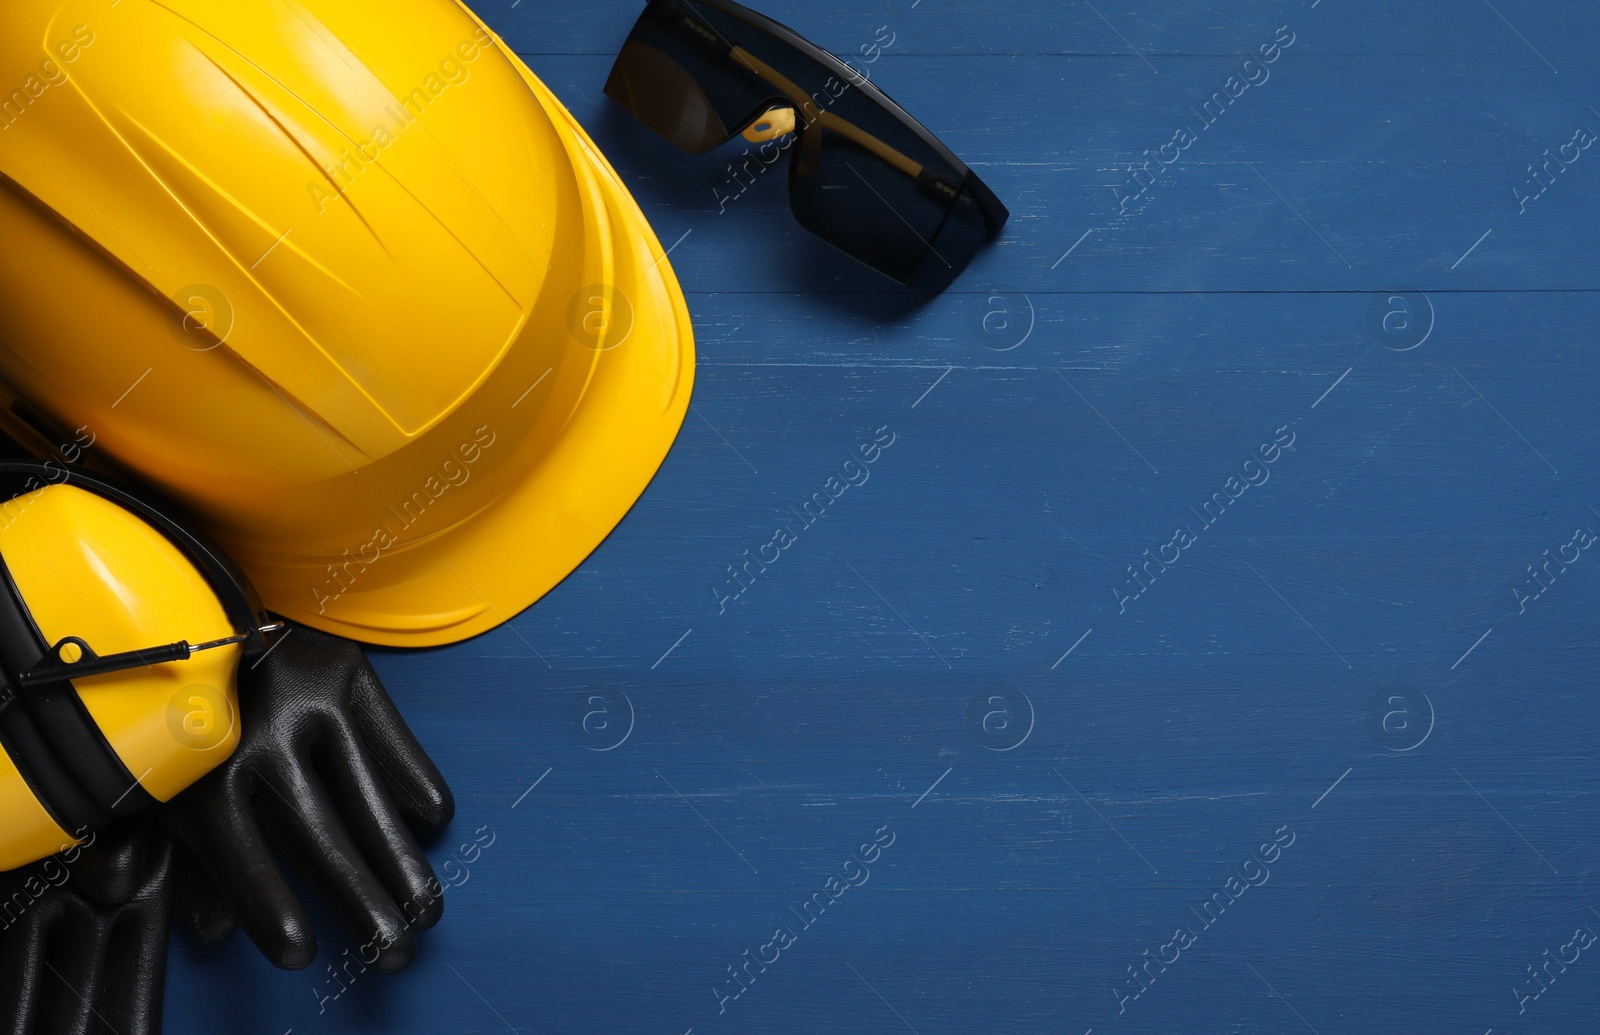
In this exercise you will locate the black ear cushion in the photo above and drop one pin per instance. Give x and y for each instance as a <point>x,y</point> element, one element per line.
<point>63,798</point>
<point>20,641</point>
<point>65,739</point>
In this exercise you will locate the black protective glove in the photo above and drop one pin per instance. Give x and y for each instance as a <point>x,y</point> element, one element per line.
<point>328,775</point>
<point>83,936</point>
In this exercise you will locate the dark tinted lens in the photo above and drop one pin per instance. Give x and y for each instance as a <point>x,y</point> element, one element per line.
<point>681,78</point>
<point>851,185</point>
<point>861,177</point>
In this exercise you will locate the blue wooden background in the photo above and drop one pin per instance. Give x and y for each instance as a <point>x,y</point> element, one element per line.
<point>1353,658</point>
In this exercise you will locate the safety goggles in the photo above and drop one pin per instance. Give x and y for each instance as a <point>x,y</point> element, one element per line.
<point>863,175</point>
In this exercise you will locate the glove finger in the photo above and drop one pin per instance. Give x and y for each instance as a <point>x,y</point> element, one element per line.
<point>196,900</point>
<point>22,944</point>
<point>419,789</point>
<point>315,835</point>
<point>224,833</point>
<point>386,843</point>
<point>136,961</point>
<point>74,970</point>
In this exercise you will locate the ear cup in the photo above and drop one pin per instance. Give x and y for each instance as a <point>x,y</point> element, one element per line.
<point>82,557</point>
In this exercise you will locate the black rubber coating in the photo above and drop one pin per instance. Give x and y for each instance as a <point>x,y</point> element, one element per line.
<point>83,936</point>
<point>328,777</point>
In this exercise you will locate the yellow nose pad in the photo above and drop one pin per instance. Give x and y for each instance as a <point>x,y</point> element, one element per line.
<point>775,123</point>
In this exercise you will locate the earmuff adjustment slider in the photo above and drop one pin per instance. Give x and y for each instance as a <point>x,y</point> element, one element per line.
<point>73,658</point>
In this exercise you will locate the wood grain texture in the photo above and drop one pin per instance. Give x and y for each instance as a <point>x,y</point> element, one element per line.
<point>1378,573</point>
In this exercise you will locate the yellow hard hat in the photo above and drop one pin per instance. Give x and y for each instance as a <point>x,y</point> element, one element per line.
<point>121,634</point>
<point>354,289</point>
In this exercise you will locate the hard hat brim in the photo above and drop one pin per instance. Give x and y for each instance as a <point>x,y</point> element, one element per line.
<point>506,557</point>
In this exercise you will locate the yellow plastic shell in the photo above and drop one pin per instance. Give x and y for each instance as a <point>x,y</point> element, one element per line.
<point>30,833</point>
<point>352,285</point>
<point>85,567</point>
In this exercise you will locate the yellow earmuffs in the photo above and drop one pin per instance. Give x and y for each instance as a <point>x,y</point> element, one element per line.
<point>121,634</point>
